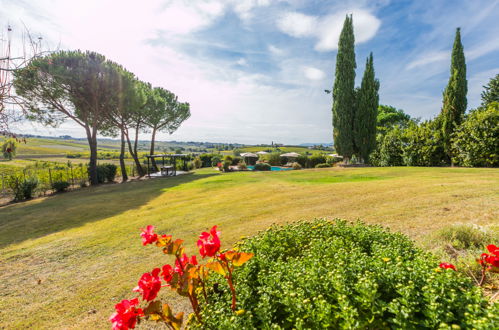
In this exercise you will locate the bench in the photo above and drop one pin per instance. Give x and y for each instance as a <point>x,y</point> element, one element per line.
<point>167,170</point>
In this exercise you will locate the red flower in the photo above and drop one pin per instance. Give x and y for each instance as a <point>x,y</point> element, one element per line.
<point>179,267</point>
<point>148,235</point>
<point>493,249</point>
<point>9,150</point>
<point>167,273</point>
<point>209,243</point>
<point>126,314</point>
<point>149,285</point>
<point>446,265</point>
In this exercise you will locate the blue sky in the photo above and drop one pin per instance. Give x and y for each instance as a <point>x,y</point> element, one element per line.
<point>254,71</point>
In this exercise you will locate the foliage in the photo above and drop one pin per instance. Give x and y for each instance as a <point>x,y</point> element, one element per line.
<point>197,162</point>
<point>302,160</point>
<point>226,165</point>
<point>186,277</point>
<point>463,236</point>
<point>237,152</point>
<point>206,159</point>
<point>475,143</point>
<point>9,148</point>
<point>366,110</point>
<point>424,145</point>
<point>262,167</point>
<point>334,275</point>
<point>296,166</point>
<point>22,187</point>
<point>323,165</point>
<point>106,173</point>
<point>343,91</point>
<point>491,91</point>
<point>60,186</point>
<point>315,159</point>
<point>455,101</point>
<point>274,159</point>
<point>215,160</point>
<point>236,160</point>
<point>59,86</point>
<point>242,166</point>
<point>389,149</point>
<point>389,117</point>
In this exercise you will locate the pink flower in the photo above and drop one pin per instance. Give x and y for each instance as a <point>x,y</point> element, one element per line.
<point>148,235</point>
<point>126,314</point>
<point>446,265</point>
<point>209,243</point>
<point>149,285</point>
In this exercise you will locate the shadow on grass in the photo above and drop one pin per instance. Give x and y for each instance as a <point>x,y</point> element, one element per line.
<point>40,217</point>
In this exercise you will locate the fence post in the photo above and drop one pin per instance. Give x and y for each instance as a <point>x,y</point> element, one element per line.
<point>50,177</point>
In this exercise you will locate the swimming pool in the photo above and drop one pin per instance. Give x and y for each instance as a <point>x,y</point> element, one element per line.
<point>273,168</point>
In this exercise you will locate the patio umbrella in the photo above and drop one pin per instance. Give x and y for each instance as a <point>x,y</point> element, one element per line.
<point>291,155</point>
<point>249,155</point>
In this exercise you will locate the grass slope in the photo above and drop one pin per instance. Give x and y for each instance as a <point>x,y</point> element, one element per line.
<point>66,260</point>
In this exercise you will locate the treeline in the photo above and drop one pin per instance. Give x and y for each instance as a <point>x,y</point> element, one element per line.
<point>100,96</point>
<point>385,136</point>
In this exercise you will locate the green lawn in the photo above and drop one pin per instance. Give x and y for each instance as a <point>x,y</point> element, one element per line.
<point>66,260</point>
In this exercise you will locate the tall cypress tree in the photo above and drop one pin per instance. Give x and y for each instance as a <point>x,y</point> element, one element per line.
<point>343,92</point>
<point>455,102</point>
<point>366,112</point>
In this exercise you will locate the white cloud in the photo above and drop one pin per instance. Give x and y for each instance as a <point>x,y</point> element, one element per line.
<point>276,50</point>
<point>429,58</point>
<point>313,73</point>
<point>298,25</point>
<point>242,62</point>
<point>327,29</point>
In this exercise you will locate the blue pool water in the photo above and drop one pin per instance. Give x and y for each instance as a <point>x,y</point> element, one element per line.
<point>273,168</point>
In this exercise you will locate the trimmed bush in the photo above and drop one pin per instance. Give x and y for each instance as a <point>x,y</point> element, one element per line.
<point>322,165</point>
<point>23,188</point>
<point>226,165</point>
<point>215,160</point>
<point>60,186</point>
<point>275,159</point>
<point>314,160</point>
<point>335,275</point>
<point>111,170</point>
<point>236,160</point>
<point>262,167</point>
<point>197,162</point>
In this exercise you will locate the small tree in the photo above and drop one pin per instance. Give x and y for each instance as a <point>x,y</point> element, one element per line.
<point>75,85</point>
<point>366,112</point>
<point>491,91</point>
<point>9,148</point>
<point>344,93</point>
<point>164,113</point>
<point>455,101</point>
<point>390,117</point>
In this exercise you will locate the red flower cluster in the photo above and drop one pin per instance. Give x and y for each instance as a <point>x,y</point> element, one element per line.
<point>490,260</point>
<point>126,314</point>
<point>209,243</point>
<point>446,265</point>
<point>148,235</point>
<point>180,266</point>
<point>149,285</point>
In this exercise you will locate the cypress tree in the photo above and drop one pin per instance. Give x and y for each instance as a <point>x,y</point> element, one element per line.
<point>343,92</point>
<point>455,102</point>
<point>366,112</point>
<point>491,92</point>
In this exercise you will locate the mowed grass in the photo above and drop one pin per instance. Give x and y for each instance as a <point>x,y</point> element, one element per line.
<point>66,260</point>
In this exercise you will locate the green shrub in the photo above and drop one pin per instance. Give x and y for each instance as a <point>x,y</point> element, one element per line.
<point>60,186</point>
<point>111,170</point>
<point>302,160</point>
<point>463,237</point>
<point>338,276</point>
<point>424,144</point>
<point>242,166</point>
<point>389,149</point>
<point>275,159</point>
<point>226,165</point>
<point>262,167</point>
<point>22,188</point>
<point>215,160</point>
<point>475,142</point>
<point>315,159</point>
<point>236,160</point>
<point>197,162</point>
<point>296,166</point>
<point>322,165</point>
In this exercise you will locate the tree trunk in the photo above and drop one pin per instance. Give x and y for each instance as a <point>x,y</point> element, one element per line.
<point>140,170</point>
<point>124,175</point>
<point>153,161</point>
<point>92,164</point>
